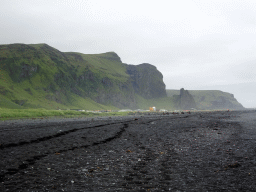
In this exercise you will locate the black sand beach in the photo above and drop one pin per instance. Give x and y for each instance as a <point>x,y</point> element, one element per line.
<point>183,152</point>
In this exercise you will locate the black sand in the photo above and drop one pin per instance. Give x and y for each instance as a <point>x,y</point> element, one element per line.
<point>186,152</point>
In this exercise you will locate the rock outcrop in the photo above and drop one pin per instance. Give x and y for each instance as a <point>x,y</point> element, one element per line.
<point>185,100</point>
<point>146,80</point>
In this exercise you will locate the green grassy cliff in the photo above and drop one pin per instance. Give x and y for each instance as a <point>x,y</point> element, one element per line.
<point>40,76</point>
<point>210,99</point>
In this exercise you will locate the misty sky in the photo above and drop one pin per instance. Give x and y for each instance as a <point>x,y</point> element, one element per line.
<point>195,44</point>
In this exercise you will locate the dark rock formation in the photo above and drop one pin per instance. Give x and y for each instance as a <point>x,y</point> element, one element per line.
<point>185,100</point>
<point>27,70</point>
<point>147,81</point>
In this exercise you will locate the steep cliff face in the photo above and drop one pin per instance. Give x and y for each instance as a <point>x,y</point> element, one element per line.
<point>146,80</point>
<point>211,99</point>
<point>184,100</point>
<point>36,74</point>
<point>214,99</point>
<point>222,101</point>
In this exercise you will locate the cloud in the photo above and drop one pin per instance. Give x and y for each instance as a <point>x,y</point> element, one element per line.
<point>194,43</point>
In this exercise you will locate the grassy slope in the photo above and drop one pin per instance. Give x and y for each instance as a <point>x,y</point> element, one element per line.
<point>209,96</point>
<point>7,114</point>
<point>35,91</point>
<point>172,92</point>
<point>32,90</point>
<point>161,103</point>
<point>105,63</point>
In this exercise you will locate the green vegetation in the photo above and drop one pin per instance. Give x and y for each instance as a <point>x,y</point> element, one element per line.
<point>210,99</point>
<point>7,114</point>
<point>207,99</point>
<point>39,76</point>
<point>105,63</point>
<point>160,103</point>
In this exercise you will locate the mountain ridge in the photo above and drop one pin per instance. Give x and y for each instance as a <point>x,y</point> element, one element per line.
<point>41,76</point>
<point>210,99</point>
<point>63,78</point>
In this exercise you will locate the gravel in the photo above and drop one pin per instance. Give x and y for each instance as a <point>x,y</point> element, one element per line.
<point>210,151</point>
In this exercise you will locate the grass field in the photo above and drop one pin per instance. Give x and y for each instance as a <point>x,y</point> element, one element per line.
<point>11,114</point>
<point>160,103</point>
<point>8,114</point>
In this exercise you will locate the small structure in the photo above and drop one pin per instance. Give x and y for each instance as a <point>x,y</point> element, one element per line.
<point>152,108</point>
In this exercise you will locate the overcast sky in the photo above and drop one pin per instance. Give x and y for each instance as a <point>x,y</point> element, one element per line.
<point>195,44</point>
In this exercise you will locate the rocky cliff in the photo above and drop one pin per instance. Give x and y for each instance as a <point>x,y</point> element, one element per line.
<point>146,80</point>
<point>210,99</point>
<point>39,75</point>
<point>186,100</point>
